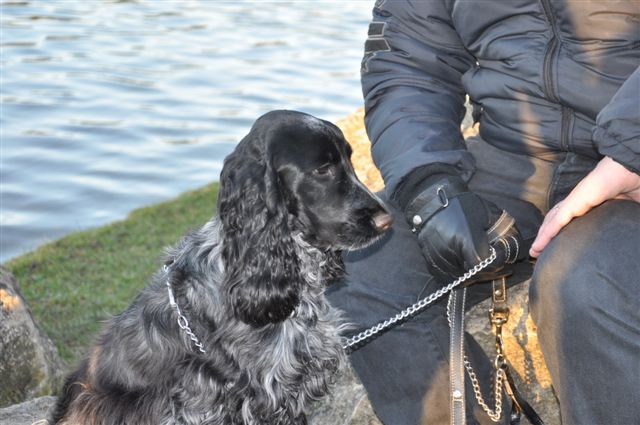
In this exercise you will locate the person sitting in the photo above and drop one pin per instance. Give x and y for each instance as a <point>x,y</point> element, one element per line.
<point>555,87</point>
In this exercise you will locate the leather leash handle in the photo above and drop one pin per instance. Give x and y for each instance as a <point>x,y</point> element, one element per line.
<point>456,354</point>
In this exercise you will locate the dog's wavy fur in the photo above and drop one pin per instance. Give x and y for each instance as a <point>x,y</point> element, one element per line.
<point>251,284</point>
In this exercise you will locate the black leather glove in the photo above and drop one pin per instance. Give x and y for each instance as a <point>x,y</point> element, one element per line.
<point>455,227</point>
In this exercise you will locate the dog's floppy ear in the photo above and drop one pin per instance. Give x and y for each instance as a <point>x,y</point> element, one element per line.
<point>262,270</point>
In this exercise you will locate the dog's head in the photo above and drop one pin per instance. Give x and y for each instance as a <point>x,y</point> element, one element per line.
<point>291,175</point>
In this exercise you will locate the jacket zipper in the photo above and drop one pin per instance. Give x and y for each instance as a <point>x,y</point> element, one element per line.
<point>549,88</point>
<point>548,80</point>
<point>548,85</point>
<point>564,129</point>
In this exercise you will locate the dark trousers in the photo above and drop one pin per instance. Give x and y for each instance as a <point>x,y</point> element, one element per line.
<point>584,299</point>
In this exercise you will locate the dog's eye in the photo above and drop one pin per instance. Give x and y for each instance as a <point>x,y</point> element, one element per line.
<point>324,169</point>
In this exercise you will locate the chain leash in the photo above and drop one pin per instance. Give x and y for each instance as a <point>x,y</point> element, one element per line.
<point>366,335</point>
<point>183,323</point>
<point>500,361</point>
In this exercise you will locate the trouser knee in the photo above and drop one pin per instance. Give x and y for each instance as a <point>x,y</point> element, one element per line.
<point>583,300</point>
<point>592,256</point>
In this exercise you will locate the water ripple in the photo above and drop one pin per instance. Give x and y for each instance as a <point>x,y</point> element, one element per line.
<point>108,105</point>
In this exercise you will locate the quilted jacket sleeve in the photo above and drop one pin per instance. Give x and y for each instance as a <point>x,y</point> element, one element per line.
<point>411,81</point>
<point>617,130</point>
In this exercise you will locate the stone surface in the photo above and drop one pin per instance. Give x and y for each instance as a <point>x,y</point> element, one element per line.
<point>520,339</point>
<point>32,412</point>
<point>29,362</point>
<point>346,405</point>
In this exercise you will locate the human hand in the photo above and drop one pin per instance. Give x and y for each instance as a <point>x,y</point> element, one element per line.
<point>455,229</point>
<point>608,180</point>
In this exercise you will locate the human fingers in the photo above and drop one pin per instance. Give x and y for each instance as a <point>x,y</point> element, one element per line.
<point>549,228</point>
<point>590,192</point>
<point>608,180</point>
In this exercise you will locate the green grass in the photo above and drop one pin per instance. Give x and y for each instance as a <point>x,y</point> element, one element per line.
<point>76,283</point>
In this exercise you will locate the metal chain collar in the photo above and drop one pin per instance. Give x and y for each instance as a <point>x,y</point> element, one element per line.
<point>182,320</point>
<point>416,308</point>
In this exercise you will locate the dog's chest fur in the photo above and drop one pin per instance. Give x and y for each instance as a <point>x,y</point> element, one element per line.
<point>279,369</point>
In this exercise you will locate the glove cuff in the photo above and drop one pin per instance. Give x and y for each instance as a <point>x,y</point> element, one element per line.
<point>417,180</point>
<point>505,234</point>
<point>435,197</point>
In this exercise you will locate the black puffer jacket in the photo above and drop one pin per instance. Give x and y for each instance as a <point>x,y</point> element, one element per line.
<point>542,74</point>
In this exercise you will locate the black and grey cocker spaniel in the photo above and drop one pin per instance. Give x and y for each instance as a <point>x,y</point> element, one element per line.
<point>235,329</point>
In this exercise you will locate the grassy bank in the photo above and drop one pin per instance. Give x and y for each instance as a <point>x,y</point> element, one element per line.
<point>74,284</point>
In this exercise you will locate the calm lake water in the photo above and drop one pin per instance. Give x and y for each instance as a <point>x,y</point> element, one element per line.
<point>111,105</point>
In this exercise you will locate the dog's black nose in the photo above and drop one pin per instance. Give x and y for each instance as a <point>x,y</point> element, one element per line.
<point>382,221</point>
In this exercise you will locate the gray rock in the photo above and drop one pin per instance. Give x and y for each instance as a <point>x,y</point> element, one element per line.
<point>522,350</point>
<point>29,362</point>
<point>347,403</point>
<point>30,412</point>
